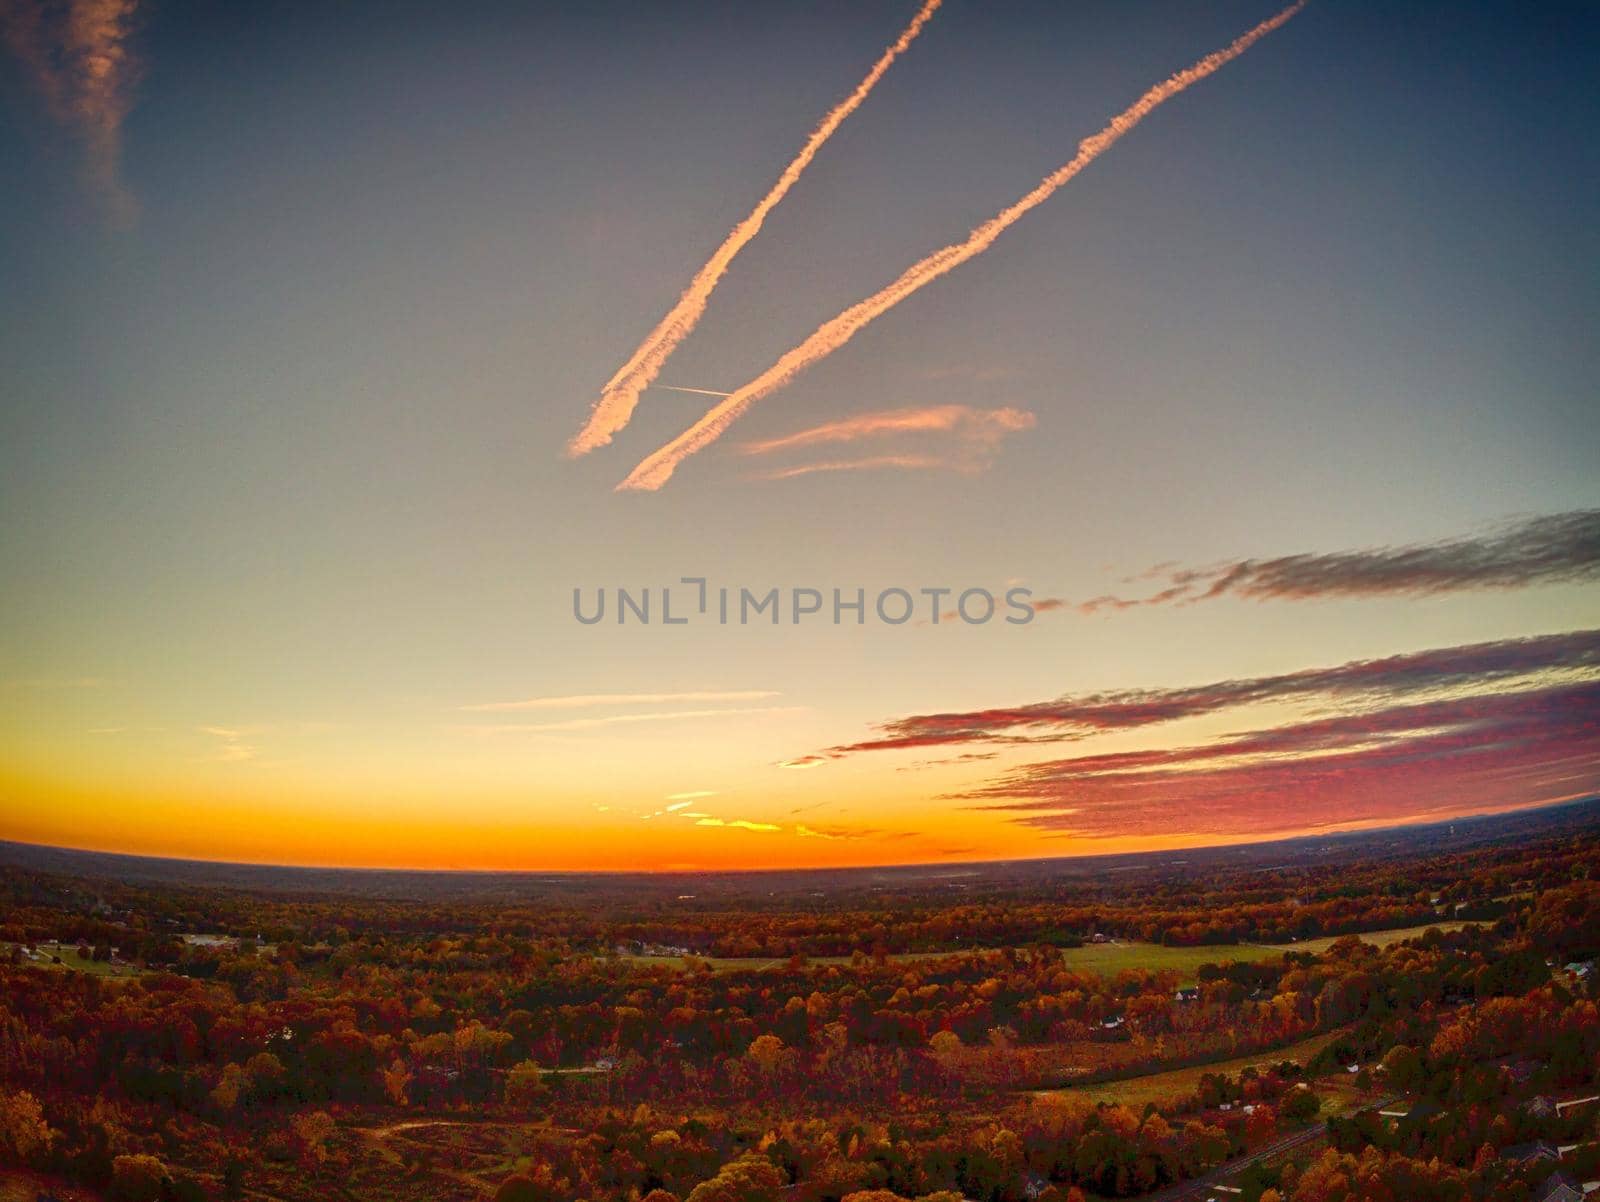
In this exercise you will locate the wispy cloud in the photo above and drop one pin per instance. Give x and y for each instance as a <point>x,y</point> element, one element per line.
<point>804,761</point>
<point>969,757</point>
<point>79,54</point>
<point>965,439</point>
<point>572,724</point>
<point>695,795</point>
<point>233,747</point>
<point>1548,549</point>
<point>743,824</point>
<point>590,700</point>
<point>839,832</point>
<point>1575,655</point>
<point>621,394</point>
<point>982,426</point>
<point>870,463</point>
<point>656,469</point>
<point>1488,751</point>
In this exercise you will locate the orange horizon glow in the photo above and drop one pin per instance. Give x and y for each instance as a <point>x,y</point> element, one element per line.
<point>243,834</point>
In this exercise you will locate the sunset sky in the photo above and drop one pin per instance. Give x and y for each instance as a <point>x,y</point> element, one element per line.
<point>1285,407</point>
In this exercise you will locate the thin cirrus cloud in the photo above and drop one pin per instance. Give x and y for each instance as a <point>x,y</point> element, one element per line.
<point>1574,655</point>
<point>1410,762</point>
<point>621,394</point>
<point>982,426</point>
<point>868,463</point>
<point>591,700</point>
<point>233,746</point>
<point>1547,549</point>
<point>657,468</point>
<point>967,439</point>
<point>743,824</point>
<point>79,54</point>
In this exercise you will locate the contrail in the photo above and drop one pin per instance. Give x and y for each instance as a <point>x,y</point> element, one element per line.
<point>696,391</point>
<point>81,56</point>
<point>657,469</point>
<point>616,404</point>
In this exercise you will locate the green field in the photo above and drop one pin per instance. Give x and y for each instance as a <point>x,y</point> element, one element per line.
<point>1112,958</point>
<point>1134,1092</point>
<point>71,960</point>
<point>1104,958</point>
<point>1380,938</point>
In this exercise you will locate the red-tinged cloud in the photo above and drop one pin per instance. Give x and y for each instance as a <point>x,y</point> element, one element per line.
<point>657,468</point>
<point>80,57</point>
<point>621,393</point>
<point>803,761</point>
<point>1482,753</point>
<point>869,463</point>
<point>984,426</point>
<point>963,439</point>
<point>1550,549</point>
<point>1362,682</point>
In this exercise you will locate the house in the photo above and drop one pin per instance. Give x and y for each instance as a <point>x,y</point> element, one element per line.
<point>1581,969</point>
<point>1558,1187</point>
<point>1112,1022</point>
<point>1099,937</point>
<point>1033,1185</point>
<point>1540,1107</point>
<point>1522,1071</point>
<point>1187,995</point>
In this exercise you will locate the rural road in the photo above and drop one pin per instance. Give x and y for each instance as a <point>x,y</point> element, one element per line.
<point>1196,1188</point>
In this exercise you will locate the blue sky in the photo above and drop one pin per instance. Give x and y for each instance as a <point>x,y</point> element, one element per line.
<point>280,444</point>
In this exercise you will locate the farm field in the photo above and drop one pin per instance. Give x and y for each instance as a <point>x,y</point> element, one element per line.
<point>71,960</point>
<point>1379,938</point>
<point>1105,958</point>
<point>1135,1092</point>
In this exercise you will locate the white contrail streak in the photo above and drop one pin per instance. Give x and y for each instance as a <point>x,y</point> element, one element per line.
<point>617,400</point>
<point>696,391</point>
<point>657,469</point>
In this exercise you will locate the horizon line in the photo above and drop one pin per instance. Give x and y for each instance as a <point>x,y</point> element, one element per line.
<point>271,865</point>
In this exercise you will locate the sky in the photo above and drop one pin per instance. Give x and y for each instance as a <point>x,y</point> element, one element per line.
<point>1281,406</point>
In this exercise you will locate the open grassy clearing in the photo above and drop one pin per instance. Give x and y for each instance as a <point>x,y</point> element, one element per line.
<point>1179,1082</point>
<point>1107,959</point>
<point>70,959</point>
<point>1379,938</point>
